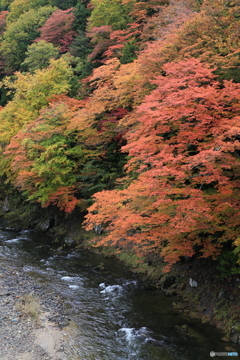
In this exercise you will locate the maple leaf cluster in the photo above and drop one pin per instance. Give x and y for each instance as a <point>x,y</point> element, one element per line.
<point>184,148</point>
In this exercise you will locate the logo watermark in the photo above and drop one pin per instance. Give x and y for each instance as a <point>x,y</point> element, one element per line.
<point>233,353</point>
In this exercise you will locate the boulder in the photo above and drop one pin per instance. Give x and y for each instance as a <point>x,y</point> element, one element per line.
<point>45,225</point>
<point>193,283</point>
<point>68,241</point>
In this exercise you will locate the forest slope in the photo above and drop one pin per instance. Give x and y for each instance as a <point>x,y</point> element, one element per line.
<point>130,113</point>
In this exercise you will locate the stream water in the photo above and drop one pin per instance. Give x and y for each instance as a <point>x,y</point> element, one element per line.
<point>114,317</point>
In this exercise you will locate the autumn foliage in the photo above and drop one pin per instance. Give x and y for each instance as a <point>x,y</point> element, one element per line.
<point>58,29</point>
<point>40,158</point>
<point>185,150</point>
<point>140,127</point>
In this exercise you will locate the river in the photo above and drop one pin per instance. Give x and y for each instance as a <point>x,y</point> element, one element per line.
<point>114,317</point>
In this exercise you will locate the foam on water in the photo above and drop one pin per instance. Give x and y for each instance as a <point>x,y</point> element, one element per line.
<point>70,278</point>
<point>67,278</point>
<point>132,334</point>
<point>15,240</point>
<point>130,283</point>
<point>24,231</point>
<point>134,340</point>
<point>74,287</point>
<point>127,333</point>
<point>110,289</point>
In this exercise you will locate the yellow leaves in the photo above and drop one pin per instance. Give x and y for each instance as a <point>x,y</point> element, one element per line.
<point>115,86</point>
<point>12,118</point>
<point>31,94</point>
<point>117,83</point>
<point>103,75</point>
<point>129,84</point>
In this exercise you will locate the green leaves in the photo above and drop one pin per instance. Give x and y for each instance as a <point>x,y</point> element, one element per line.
<point>129,52</point>
<point>39,158</point>
<point>18,7</point>
<point>38,56</point>
<point>20,33</point>
<point>110,12</point>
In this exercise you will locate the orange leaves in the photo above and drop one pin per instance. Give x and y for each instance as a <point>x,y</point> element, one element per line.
<point>179,32</point>
<point>64,199</point>
<point>55,163</point>
<point>103,76</point>
<point>27,179</point>
<point>186,107</point>
<point>144,217</point>
<point>181,148</point>
<point>116,87</point>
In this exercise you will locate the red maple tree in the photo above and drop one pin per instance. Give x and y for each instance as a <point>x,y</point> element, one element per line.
<point>58,29</point>
<point>184,149</point>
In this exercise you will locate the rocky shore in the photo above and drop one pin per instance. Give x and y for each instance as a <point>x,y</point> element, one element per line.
<point>33,325</point>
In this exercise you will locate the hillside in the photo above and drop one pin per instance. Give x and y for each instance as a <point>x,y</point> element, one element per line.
<point>127,113</point>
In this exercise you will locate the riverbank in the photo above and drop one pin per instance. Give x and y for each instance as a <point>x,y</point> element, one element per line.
<point>32,320</point>
<point>202,294</point>
<point>201,290</point>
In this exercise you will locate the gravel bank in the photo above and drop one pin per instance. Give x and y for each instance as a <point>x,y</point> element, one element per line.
<point>33,325</point>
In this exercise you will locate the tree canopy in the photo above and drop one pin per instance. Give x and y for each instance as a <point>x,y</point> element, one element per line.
<point>128,111</point>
